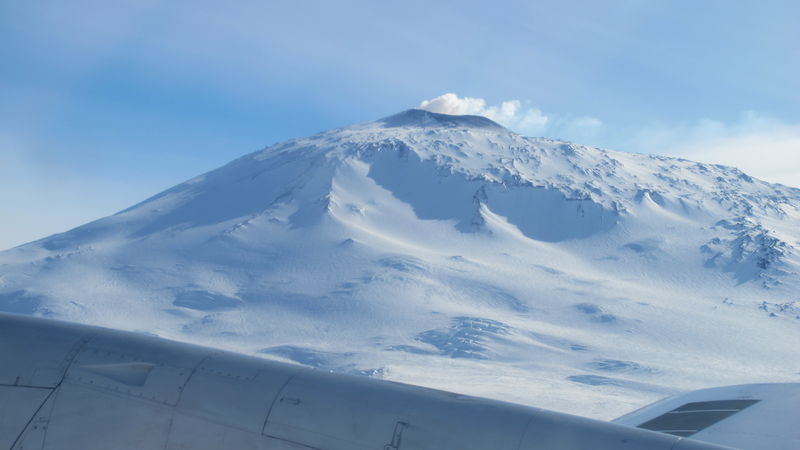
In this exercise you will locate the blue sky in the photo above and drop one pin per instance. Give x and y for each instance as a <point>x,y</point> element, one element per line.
<point>105,103</point>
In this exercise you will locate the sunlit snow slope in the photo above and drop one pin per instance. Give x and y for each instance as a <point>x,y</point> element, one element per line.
<point>450,252</point>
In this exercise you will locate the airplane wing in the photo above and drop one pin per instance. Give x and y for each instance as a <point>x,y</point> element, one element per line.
<point>753,416</point>
<point>69,386</point>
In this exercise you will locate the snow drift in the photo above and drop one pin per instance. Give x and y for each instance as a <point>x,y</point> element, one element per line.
<point>450,252</point>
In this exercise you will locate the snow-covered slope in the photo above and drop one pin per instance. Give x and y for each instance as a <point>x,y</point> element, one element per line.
<point>450,252</point>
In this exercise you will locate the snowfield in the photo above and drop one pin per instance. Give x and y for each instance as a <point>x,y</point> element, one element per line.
<point>449,252</point>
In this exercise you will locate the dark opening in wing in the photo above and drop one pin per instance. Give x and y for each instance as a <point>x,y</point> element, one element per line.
<point>690,418</point>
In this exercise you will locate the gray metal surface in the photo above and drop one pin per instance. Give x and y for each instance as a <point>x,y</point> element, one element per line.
<point>751,416</point>
<point>17,407</point>
<point>693,417</point>
<point>67,386</point>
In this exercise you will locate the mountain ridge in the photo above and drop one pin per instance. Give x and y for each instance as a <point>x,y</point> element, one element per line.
<point>447,249</point>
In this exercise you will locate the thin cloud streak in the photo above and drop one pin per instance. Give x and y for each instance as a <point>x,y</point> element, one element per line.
<point>761,146</point>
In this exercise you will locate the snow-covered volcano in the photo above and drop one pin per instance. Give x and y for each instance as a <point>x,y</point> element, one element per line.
<point>448,251</point>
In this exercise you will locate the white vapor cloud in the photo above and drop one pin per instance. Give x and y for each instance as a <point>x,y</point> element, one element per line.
<point>759,145</point>
<point>515,115</point>
<point>453,104</point>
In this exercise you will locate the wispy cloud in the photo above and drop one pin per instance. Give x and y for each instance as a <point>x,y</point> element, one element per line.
<point>40,196</point>
<point>516,115</point>
<point>760,145</point>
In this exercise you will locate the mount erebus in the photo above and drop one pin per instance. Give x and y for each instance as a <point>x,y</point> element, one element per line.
<point>451,252</point>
